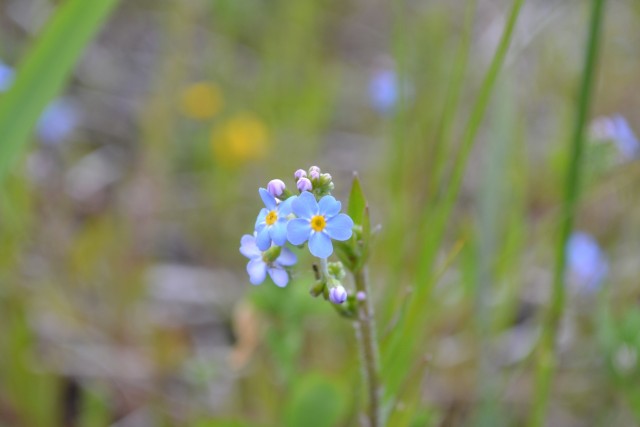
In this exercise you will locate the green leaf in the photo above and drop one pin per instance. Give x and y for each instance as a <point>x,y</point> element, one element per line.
<point>316,402</point>
<point>357,202</point>
<point>44,70</point>
<point>363,241</point>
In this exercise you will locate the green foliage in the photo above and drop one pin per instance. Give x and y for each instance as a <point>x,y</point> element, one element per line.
<point>317,401</point>
<point>44,70</point>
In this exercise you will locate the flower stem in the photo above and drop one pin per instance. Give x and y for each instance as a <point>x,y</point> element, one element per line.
<point>368,345</point>
<point>547,358</point>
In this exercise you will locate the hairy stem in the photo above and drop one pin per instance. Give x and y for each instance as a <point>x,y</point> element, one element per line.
<point>368,345</point>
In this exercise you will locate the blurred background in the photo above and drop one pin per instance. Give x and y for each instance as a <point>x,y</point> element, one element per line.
<point>124,299</point>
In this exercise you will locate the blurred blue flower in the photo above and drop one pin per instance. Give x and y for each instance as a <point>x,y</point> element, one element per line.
<point>617,129</point>
<point>271,224</point>
<point>318,222</point>
<point>58,121</point>
<point>258,267</point>
<point>6,76</point>
<point>383,90</point>
<point>587,265</point>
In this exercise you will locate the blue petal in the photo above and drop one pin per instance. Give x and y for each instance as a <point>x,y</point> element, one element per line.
<point>298,231</point>
<point>305,205</point>
<point>257,270</point>
<point>279,276</point>
<point>339,227</point>
<point>268,199</point>
<point>248,247</point>
<point>286,258</point>
<point>625,139</point>
<point>262,216</point>
<point>329,206</point>
<point>320,245</point>
<point>278,232</point>
<point>263,240</point>
<point>284,208</point>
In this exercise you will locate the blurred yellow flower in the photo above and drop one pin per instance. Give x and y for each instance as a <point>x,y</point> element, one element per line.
<point>202,100</point>
<point>242,139</point>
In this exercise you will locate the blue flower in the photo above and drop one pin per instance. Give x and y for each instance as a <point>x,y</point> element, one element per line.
<point>624,138</point>
<point>271,224</point>
<point>588,266</point>
<point>383,90</point>
<point>318,222</point>
<point>58,121</point>
<point>6,76</point>
<point>258,267</point>
<point>617,129</point>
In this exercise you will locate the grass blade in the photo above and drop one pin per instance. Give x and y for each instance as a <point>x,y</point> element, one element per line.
<point>546,358</point>
<point>44,70</point>
<point>404,342</point>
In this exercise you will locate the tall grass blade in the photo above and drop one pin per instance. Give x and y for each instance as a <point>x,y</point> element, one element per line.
<point>44,70</point>
<point>546,357</point>
<point>404,343</point>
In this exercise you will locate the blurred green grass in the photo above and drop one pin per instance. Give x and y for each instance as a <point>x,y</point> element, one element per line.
<point>127,302</point>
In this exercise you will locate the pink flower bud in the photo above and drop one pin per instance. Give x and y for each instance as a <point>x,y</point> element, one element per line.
<point>304,184</point>
<point>314,172</point>
<point>338,295</point>
<point>300,174</point>
<point>275,187</point>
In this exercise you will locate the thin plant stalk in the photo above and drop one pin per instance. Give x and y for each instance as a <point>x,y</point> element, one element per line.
<point>365,329</point>
<point>546,356</point>
<point>368,345</point>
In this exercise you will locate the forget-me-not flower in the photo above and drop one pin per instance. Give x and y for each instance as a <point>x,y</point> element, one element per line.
<point>587,265</point>
<point>318,222</point>
<point>271,224</point>
<point>383,90</point>
<point>6,76</point>
<point>617,129</point>
<point>259,266</point>
<point>58,121</point>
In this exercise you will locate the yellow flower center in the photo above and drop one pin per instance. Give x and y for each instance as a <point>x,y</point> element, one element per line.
<point>271,218</point>
<point>318,223</point>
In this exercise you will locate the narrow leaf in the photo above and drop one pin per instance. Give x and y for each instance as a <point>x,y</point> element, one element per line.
<point>44,70</point>
<point>357,202</point>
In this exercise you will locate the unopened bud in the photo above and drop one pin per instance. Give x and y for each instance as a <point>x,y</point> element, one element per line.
<point>317,289</point>
<point>304,184</point>
<point>314,172</point>
<point>271,254</point>
<point>338,294</point>
<point>361,296</point>
<point>336,269</point>
<point>325,179</point>
<point>300,173</point>
<point>276,187</point>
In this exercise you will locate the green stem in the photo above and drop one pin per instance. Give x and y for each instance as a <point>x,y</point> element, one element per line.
<point>547,360</point>
<point>368,345</point>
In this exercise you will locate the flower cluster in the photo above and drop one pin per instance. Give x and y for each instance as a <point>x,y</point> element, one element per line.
<point>312,216</point>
